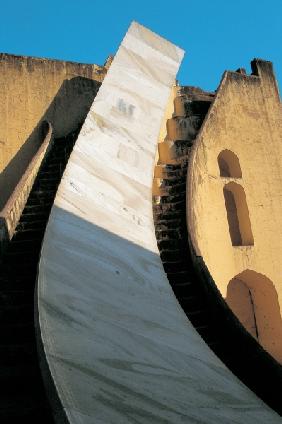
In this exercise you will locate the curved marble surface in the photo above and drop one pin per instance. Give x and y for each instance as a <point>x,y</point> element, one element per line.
<point>118,346</point>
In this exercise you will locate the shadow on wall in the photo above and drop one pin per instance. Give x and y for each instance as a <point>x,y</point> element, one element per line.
<point>238,217</point>
<point>229,164</point>
<point>254,300</point>
<point>66,112</point>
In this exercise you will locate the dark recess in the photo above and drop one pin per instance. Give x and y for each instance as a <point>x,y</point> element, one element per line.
<point>22,393</point>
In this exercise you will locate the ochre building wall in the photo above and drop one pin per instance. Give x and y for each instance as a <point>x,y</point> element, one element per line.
<point>246,119</point>
<point>33,90</point>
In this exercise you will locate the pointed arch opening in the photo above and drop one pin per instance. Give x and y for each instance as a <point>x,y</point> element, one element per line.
<point>253,299</point>
<point>238,217</point>
<point>229,165</point>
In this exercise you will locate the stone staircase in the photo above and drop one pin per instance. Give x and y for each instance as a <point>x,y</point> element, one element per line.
<point>196,292</point>
<point>22,395</point>
<point>169,204</point>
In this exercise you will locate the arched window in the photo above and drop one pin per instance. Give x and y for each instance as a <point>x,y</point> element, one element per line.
<point>229,164</point>
<point>238,218</point>
<point>253,299</point>
<point>241,302</point>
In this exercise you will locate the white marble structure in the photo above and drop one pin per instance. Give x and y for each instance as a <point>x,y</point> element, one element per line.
<point>119,348</point>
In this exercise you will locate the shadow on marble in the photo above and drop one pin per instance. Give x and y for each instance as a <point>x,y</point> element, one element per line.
<point>118,346</point>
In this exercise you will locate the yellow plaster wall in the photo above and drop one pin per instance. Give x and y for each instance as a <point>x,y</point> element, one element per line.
<point>32,90</point>
<point>245,118</point>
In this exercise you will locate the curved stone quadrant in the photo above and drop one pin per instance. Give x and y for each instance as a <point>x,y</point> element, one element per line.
<point>118,346</point>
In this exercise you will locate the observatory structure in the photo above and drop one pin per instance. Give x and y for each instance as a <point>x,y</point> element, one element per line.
<point>141,241</point>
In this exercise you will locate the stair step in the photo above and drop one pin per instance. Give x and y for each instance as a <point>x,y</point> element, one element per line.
<point>22,333</point>
<point>60,150</point>
<point>171,225</point>
<point>34,216</point>
<point>172,207</point>
<point>191,303</point>
<point>18,370</point>
<point>171,199</point>
<point>171,244</point>
<point>11,352</point>
<point>58,155</point>
<point>23,246</point>
<point>168,210</point>
<point>178,183</point>
<point>183,290</point>
<point>172,175</point>
<point>170,234</point>
<point>15,297</point>
<point>19,258</point>
<point>172,256</point>
<point>42,194</point>
<point>177,222</point>
<point>207,333</point>
<point>34,209</point>
<point>171,267</point>
<point>171,167</point>
<point>167,244</point>
<point>11,315</point>
<point>21,270</point>
<point>28,408</point>
<point>48,185</point>
<point>199,317</point>
<point>39,201</point>
<point>181,276</point>
<point>54,166</point>
<point>32,225</point>
<point>164,227</point>
<point>56,163</point>
<point>29,234</point>
<point>10,282</point>
<point>52,174</point>
<point>181,161</point>
<point>21,385</point>
<point>165,192</point>
<point>48,177</point>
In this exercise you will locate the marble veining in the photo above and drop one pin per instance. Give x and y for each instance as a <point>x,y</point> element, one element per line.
<point>118,345</point>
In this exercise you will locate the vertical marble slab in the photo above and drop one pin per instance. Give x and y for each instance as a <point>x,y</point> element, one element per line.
<point>118,346</point>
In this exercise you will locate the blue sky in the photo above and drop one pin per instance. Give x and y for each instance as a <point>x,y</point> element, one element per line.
<point>216,34</point>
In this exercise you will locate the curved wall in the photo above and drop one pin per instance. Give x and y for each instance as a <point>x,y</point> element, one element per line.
<point>118,346</point>
<point>33,90</point>
<point>245,119</point>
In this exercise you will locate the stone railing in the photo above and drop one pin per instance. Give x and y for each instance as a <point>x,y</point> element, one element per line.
<point>10,214</point>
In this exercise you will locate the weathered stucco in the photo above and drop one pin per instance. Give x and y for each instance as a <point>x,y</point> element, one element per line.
<point>246,119</point>
<point>33,90</point>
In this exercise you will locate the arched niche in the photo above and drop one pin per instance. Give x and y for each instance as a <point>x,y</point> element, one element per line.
<point>240,300</point>
<point>238,215</point>
<point>229,165</point>
<point>253,299</point>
